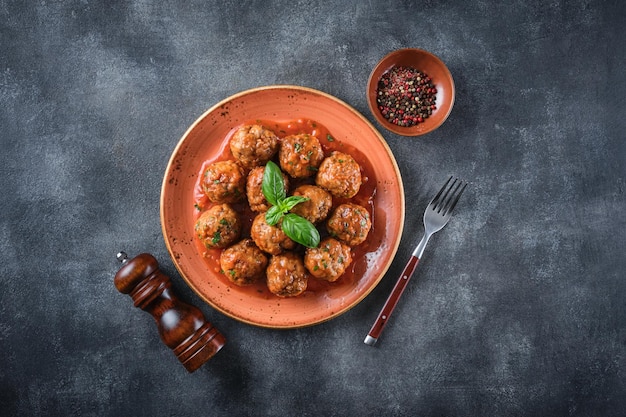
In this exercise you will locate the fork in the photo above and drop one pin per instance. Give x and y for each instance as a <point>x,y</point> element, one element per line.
<point>436,216</point>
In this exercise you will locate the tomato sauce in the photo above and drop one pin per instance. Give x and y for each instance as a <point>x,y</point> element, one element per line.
<point>365,197</point>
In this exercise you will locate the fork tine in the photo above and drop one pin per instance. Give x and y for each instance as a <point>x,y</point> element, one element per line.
<point>445,200</point>
<point>444,204</point>
<point>435,201</point>
<point>456,198</point>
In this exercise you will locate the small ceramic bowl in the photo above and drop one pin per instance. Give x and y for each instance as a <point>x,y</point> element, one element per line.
<point>434,68</point>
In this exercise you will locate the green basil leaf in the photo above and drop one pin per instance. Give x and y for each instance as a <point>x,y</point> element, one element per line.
<point>300,230</point>
<point>273,215</point>
<point>273,186</point>
<point>290,202</point>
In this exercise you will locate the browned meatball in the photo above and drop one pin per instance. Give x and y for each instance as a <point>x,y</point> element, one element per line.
<point>300,155</point>
<point>318,205</point>
<point>243,263</point>
<point>329,260</point>
<point>270,239</point>
<point>286,276</point>
<point>340,174</point>
<point>254,189</point>
<point>224,182</point>
<point>218,227</point>
<point>253,145</point>
<point>350,223</point>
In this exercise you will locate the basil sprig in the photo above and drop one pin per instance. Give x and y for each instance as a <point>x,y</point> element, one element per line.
<point>297,228</point>
<point>273,186</point>
<point>300,230</point>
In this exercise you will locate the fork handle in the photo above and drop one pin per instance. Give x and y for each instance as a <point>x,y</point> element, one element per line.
<point>390,304</point>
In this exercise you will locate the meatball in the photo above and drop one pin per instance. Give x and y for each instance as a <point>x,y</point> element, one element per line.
<point>328,261</point>
<point>340,174</point>
<point>224,182</point>
<point>253,145</point>
<point>218,227</point>
<point>350,223</point>
<point>318,205</point>
<point>254,189</point>
<point>270,239</point>
<point>243,263</point>
<point>286,275</point>
<point>300,155</point>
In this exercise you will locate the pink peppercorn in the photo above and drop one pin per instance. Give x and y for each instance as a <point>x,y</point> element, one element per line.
<point>406,96</point>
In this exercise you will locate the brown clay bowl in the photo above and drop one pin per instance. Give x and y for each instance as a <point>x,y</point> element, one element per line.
<point>434,68</point>
<point>207,140</point>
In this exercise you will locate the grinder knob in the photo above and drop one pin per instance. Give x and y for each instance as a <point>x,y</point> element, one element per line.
<point>182,327</point>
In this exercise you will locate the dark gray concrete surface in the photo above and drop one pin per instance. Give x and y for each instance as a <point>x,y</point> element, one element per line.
<point>518,307</point>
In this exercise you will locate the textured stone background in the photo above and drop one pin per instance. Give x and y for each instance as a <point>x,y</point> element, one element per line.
<point>518,307</point>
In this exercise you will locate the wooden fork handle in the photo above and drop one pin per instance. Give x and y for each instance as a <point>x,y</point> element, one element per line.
<point>390,304</point>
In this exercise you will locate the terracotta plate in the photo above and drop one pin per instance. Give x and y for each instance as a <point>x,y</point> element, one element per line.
<point>207,140</point>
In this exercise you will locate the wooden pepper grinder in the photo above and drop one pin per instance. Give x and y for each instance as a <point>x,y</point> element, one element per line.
<point>182,327</point>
